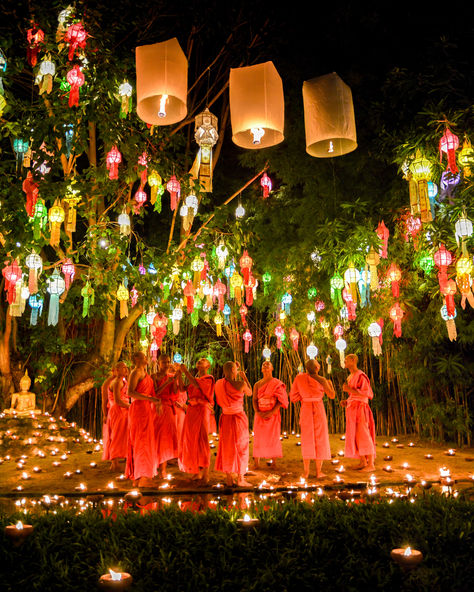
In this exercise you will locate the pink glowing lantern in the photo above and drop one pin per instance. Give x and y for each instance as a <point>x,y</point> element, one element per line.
<point>76,79</point>
<point>443,260</point>
<point>140,198</point>
<point>247,337</point>
<point>12,274</point>
<point>279,333</point>
<point>396,314</point>
<point>219,291</point>
<point>249,288</point>
<point>266,184</point>
<point>294,338</point>
<point>69,271</point>
<point>350,304</point>
<point>174,188</point>
<point>383,234</point>
<point>449,143</point>
<point>114,158</point>
<point>76,36</point>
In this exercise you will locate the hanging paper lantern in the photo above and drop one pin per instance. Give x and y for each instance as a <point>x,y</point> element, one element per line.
<point>394,275</point>
<point>316,258</point>
<point>134,296</point>
<point>266,184</point>
<point>55,285</point>
<point>140,198</point>
<point>351,279</point>
<point>279,334</point>
<point>372,260</point>
<point>20,147</point>
<point>375,331</point>
<point>341,346</point>
<point>246,263</point>
<point>197,266</point>
<point>72,198</point>
<point>192,204</point>
<point>329,363</point>
<point>256,106</point>
<point>328,116</point>
<point>162,85</point>
<point>312,293</point>
<point>247,337</point>
<point>466,157</point>
<point>227,311</point>
<point>36,304</point>
<point>56,217</point>
<point>44,78</point>
<point>449,143</point>
<point>450,324</point>
<point>236,283</point>
<point>442,259</point>
<point>174,188</point>
<point>364,286</point>
<point>35,265</point>
<point>156,190</point>
<point>286,301</point>
<point>176,317</point>
<point>34,37</point>
<point>31,189</point>
<point>122,297</point>
<point>396,314</point>
<point>448,184</point>
<point>266,278</point>
<point>189,292</point>
<point>143,326</point>
<point>125,93</point>
<point>222,253</point>
<point>219,292</point>
<point>240,211</point>
<point>336,283</point>
<point>40,218</point>
<point>338,331</point>
<point>250,290</point>
<point>463,228</point>
<point>12,274</point>
<point>294,338</point>
<point>420,169</point>
<point>154,351</point>
<point>243,310</point>
<point>464,268</point>
<point>413,226</point>
<point>205,134</point>
<point>88,296</point>
<point>350,304</point>
<point>266,352</point>
<point>426,262</point>
<point>124,223</point>
<point>448,291</point>
<point>311,317</point>
<point>3,69</point>
<point>160,322</point>
<point>76,36</point>
<point>76,79</point>
<point>383,234</point>
<point>68,136</point>
<point>319,306</point>
<point>312,351</point>
<point>69,271</point>
<point>218,320</point>
<point>114,158</point>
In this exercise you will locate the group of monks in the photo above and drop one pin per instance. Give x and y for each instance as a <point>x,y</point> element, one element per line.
<point>152,419</point>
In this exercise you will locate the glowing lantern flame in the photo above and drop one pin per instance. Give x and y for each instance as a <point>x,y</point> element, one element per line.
<point>115,576</point>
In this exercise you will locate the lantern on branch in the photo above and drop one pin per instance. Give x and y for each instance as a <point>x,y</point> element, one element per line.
<point>176,317</point>
<point>156,190</point>
<point>246,263</point>
<point>31,189</point>
<point>143,326</point>
<point>247,337</point>
<point>227,310</point>
<point>113,159</point>
<point>189,292</point>
<point>341,346</point>
<point>162,82</point>
<point>443,260</point>
<point>449,143</point>
<point>420,169</point>
<point>124,223</point>
<point>125,93</point>
<point>413,227</point>
<point>239,211</point>
<point>34,37</point>
<point>35,265</point>
<point>375,332</point>
<point>55,285</point>
<point>350,304</point>
<point>266,184</point>
<point>312,351</point>
<point>56,217</point>
<point>40,218</point>
<point>250,290</point>
<point>236,283</point>
<point>69,271</point>
<point>466,157</point>
<point>122,297</point>
<point>140,198</point>
<point>450,324</point>
<point>44,78</point>
<point>133,296</point>
<point>464,270</point>
<point>328,116</point>
<point>20,147</point>
<point>463,228</point>
<point>319,306</point>
<point>76,79</point>
<point>383,234</point>
<point>394,275</point>
<point>286,301</point>
<point>88,296</point>
<point>174,188</point>
<point>160,322</point>
<point>206,136</point>
<point>372,260</point>
<point>294,338</point>
<point>396,314</point>
<point>3,69</point>
<point>243,310</point>
<point>197,267</point>
<point>426,262</point>
<point>256,106</point>
<point>76,36</point>
<point>12,274</point>
<point>337,284</point>
<point>36,304</point>
<point>221,253</point>
<point>266,353</point>
<point>266,279</point>
<point>72,199</point>
<point>279,334</point>
<point>219,292</point>
<point>448,291</point>
<point>351,279</point>
<point>218,320</point>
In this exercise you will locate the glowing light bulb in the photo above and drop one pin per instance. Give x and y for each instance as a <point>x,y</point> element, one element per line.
<point>257,133</point>
<point>163,101</point>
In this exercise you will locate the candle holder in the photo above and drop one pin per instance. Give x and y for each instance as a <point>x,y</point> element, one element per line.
<point>407,558</point>
<point>18,532</point>
<point>386,445</point>
<point>247,522</point>
<point>429,456</point>
<point>450,452</point>
<point>133,497</point>
<point>115,581</point>
<point>388,457</point>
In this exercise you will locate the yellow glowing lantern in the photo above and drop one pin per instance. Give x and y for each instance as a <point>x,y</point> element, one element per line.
<point>372,260</point>
<point>236,283</point>
<point>218,320</point>
<point>197,266</point>
<point>72,199</point>
<point>466,157</point>
<point>256,106</point>
<point>122,297</point>
<point>162,82</point>
<point>420,169</point>
<point>56,217</point>
<point>329,117</point>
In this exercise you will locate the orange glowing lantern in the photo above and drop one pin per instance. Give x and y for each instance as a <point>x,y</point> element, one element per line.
<point>236,283</point>
<point>243,310</point>
<point>464,270</point>
<point>56,217</point>
<point>122,297</point>
<point>246,263</point>
<point>394,275</point>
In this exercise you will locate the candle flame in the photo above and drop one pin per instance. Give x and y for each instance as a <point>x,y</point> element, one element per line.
<point>331,146</point>
<point>19,525</point>
<point>247,518</point>
<point>115,576</point>
<point>407,552</point>
<point>258,133</point>
<point>163,101</point>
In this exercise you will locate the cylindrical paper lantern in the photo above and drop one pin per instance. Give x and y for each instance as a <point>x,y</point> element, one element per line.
<point>256,106</point>
<point>162,82</point>
<point>328,116</point>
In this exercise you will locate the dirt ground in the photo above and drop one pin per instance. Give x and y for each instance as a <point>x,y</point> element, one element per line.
<point>58,457</point>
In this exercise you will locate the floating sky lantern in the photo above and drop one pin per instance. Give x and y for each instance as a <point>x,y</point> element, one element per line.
<point>114,158</point>
<point>329,117</point>
<point>162,82</point>
<point>256,106</point>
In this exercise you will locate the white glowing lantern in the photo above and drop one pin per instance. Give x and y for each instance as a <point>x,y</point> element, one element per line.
<point>312,351</point>
<point>341,346</point>
<point>240,211</point>
<point>124,223</point>
<point>176,317</point>
<point>375,331</point>
<point>222,254</point>
<point>267,352</point>
<point>311,316</point>
<point>463,228</point>
<point>192,203</point>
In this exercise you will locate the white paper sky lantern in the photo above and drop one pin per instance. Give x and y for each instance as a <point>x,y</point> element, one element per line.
<point>329,117</point>
<point>162,82</point>
<point>256,106</point>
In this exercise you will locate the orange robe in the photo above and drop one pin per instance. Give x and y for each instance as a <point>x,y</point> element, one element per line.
<point>105,427</point>
<point>141,457</point>
<point>313,420</point>
<point>180,415</point>
<point>166,437</point>
<point>195,451</point>
<point>116,431</point>
<point>233,450</point>
<point>266,438</point>
<point>360,425</point>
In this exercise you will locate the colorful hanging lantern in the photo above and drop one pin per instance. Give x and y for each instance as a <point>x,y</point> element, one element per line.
<point>464,268</point>
<point>35,265</point>
<point>450,324</point>
<point>449,143</point>
<point>176,317</point>
<point>76,36</point>
<point>243,310</point>
<point>162,82</point>
<point>266,352</point>
<point>394,275</point>
<point>12,274</point>
<point>222,253</point>
<point>189,292</point>
<point>364,286</point>
<point>125,93</point>
<point>140,198</point>
<point>40,218</point>
<point>44,78</point>
<point>266,278</point>
<point>68,137</point>
<point>114,158</point>
<point>375,332</point>
<point>174,188</point>
<point>133,296</point>
<point>448,291</point>
<point>312,351</point>
<point>197,267</point>
<point>240,211</point>
<point>372,260</point>
<point>246,263</point>
<point>34,37</point>
<point>351,279</point>
<point>312,293</point>
<point>143,326</point>
<point>3,69</point>
<point>206,136</point>
<point>250,290</point>
<point>442,259</point>
<point>227,310</point>
<point>156,190</point>
<point>69,271</point>
<point>55,285</point>
<point>294,338</point>
<point>219,291</point>
<point>341,347</point>
<point>72,198</point>
<point>122,297</point>
<point>420,169</point>
<point>286,301</point>
<point>350,304</point>
<point>413,227</point>
<point>329,363</point>
<point>279,334</point>
<point>56,217</point>
<point>329,117</point>
<point>218,320</point>
<point>36,304</point>
<point>466,157</point>
<point>124,223</point>
<point>266,184</point>
<point>76,79</point>
<point>396,314</point>
<point>463,228</point>
<point>247,337</point>
<point>88,296</point>
<point>31,189</point>
<point>336,283</point>
<point>383,234</point>
<point>319,306</point>
<point>256,106</point>
<point>426,262</point>
<point>236,283</point>
<point>20,147</point>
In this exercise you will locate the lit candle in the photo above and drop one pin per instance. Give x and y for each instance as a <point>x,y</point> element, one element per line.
<point>388,469</point>
<point>18,532</point>
<point>407,558</point>
<point>388,457</point>
<point>247,521</point>
<point>115,580</point>
<point>450,452</point>
<point>429,456</point>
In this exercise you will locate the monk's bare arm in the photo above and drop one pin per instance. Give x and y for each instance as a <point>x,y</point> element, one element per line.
<point>135,378</point>
<point>158,389</point>
<point>255,397</point>
<point>117,387</point>
<point>105,395</point>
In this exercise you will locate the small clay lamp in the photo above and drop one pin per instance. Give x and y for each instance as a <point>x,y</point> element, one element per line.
<point>133,497</point>
<point>115,580</point>
<point>247,521</point>
<point>450,452</point>
<point>407,558</point>
<point>18,532</point>
<point>429,456</point>
<point>388,457</point>
<point>388,469</point>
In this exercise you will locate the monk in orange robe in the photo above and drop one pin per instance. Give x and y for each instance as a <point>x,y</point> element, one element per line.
<point>233,451</point>
<point>107,402</point>
<point>166,436</point>
<point>141,457</point>
<point>310,388</point>
<point>117,418</point>
<point>195,454</point>
<point>269,395</point>
<point>360,425</point>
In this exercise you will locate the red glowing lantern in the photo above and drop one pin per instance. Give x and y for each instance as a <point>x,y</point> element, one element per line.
<point>114,158</point>
<point>443,260</point>
<point>394,275</point>
<point>383,234</point>
<point>12,274</point>
<point>266,184</point>
<point>295,338</point>
<point>246,263</point>
<point>249,288</point>
<point>448,291</point>
<point>243,310</point>
<point>449,143</point>
<point>69,271</point>
<point>31,190</point>
<point>76,79</point>
<point>247,337</point>
<point>34,36</point>
<point>413,226</point>
<point>76,36</point>
<point>279,333</point>
<point>396,314</point>
<point>219,291</point>
<point>189,292</point>
<point>174,188</point>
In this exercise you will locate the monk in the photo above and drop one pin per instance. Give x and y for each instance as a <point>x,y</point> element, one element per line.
<point>107,402</point>
<point>310,388</point>
<point>233,450</point>
<point>117,418</point>
<point>180,405</point>
<point>195,454</point>
<point>166,392</point>
<point>360,425</point>
<point>269,395</point>
<point>141,457</point>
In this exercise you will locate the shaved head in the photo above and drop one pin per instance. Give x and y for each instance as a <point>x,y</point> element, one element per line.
<point>352,357</point>
<point>312,366</point>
